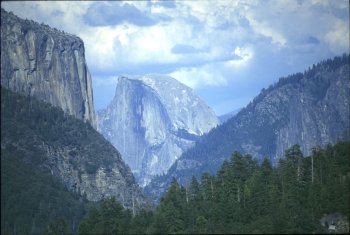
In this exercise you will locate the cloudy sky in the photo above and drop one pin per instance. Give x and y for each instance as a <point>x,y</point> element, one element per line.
<point>226,50</point>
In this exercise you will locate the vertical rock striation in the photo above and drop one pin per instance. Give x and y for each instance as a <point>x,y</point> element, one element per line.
<point>152,120</point>
<point>46,63</point>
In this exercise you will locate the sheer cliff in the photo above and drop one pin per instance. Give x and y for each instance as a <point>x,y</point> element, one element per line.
<point>153,119</point>
<point>47,113</point>
<point>46,63</point>
<point>309,109</point>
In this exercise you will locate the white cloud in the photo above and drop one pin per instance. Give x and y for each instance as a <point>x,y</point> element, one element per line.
<point>244,54</point>
<point>228,37</point>
<point>338,37</point>
<point>195,77</point>
<point>68,20</point>
<point>153,44</point>
<point>263,28</point>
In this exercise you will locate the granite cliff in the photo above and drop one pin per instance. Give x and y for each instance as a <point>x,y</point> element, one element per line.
<point>44,77</point>
<point>46,63</point>
<point>153,119</point>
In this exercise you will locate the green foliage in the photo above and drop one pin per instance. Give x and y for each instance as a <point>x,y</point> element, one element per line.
<point>109,218</point>
<point>58,226</point>
<point>34,202</point>
<point>170,215</point>
<point>243,196</point>
<point>258,123</point>
<point>141,222</point>
<point>246,197</point>
<point>27,123</point>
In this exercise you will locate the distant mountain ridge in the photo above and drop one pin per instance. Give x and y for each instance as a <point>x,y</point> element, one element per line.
<point>152,119</point>
<point>310,109</point>
<point>223,118</point>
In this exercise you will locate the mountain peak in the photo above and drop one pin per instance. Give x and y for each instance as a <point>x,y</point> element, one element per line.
<point>309,109</point>
<point>152,119</point>
<point>180,102</point>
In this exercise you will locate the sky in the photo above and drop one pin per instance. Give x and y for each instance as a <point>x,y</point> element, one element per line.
<point>226,50</point>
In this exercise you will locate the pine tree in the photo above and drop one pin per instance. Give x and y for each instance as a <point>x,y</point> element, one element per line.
<point>91,225</point>
<point>169,215</point>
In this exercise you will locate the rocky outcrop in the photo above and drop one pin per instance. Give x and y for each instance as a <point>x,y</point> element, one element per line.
<point>310,109</point>
<point>335,223</point>
<point>72,151</point>
<point>91,178</point>
<point>318,111</point>
<point>152,120</point>
<point>46,63</point>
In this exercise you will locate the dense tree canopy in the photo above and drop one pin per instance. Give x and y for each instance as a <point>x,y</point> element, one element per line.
<point>247,197</point>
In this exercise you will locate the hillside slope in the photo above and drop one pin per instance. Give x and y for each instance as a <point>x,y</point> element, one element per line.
<point>72,151</point>
<point>32,200</point>
<point>310,109</point>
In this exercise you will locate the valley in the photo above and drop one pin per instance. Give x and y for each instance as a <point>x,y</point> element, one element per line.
<point>157,159</point>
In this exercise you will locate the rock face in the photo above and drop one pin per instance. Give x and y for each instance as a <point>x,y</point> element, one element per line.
<point>50,66</point>
<point>335,223</point>
<point>45,63</point>
<point>309,109</point>
<point>67,148</point>
<point>152,120</point>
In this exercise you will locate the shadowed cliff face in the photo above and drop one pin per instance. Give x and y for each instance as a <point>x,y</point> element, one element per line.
<point>45,63</point>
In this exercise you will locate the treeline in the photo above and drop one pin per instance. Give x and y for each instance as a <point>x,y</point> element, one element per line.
<point>325,65</point>
<point>243,197</point>
<point>267,114</point>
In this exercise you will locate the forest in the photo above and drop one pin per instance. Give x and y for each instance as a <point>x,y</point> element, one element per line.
<point>34,200</point>
<point>264,117</point>
<point>244,197</point>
